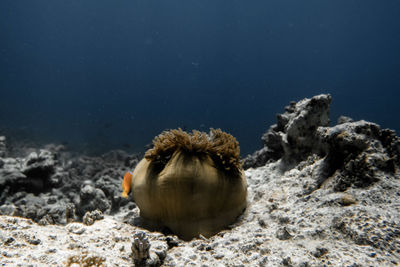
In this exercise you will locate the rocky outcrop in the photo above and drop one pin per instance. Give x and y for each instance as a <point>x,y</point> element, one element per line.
<point>303,131</point>
<point>293,137</point>
<point>356,153</point>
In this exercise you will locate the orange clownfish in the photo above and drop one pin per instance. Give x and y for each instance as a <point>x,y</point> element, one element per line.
<point>126,184</point>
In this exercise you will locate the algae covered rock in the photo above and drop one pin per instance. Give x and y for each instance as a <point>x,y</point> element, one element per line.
<point>192,183</point>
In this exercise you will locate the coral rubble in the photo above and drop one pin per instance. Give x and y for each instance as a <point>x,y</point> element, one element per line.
<point>49,184</point>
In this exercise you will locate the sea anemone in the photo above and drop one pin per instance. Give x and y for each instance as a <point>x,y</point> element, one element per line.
<point>192,183</point>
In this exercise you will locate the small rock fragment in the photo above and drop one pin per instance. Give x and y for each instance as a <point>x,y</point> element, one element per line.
<point>319,252</point>
<point>33,240</point>
<point>76,228</point>
<point>91,216</point>
<point>46,220</point>
<point>283,234</point>
<point>172,241</point>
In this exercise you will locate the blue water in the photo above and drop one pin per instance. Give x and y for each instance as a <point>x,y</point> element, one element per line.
<point>101,74</point>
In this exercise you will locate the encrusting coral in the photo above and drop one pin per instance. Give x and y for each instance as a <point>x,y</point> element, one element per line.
<point>192,183</point>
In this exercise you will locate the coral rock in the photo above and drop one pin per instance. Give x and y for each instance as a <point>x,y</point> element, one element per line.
<point>140,248</point>
<point>90,217</point>
<point>293,137</point>
<point>39,165</point>
<point>355,152</point>
<point>92,198</point>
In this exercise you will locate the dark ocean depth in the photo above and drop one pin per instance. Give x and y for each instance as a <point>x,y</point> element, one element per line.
<point>100,74</point>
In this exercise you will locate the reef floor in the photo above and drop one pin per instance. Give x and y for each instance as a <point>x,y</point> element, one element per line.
<point>318,195</point>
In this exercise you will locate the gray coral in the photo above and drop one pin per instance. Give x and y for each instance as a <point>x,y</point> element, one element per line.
<point>140,249</point>
<point>293,138</point>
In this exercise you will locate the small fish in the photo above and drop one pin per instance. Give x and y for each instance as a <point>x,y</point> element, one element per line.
<point>126,184</point>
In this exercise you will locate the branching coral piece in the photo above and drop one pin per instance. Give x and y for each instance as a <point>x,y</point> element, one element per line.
<point>140,248</point>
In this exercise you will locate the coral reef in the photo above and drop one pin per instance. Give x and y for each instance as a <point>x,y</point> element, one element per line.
<point>338,204</point>
<point>191,183</point>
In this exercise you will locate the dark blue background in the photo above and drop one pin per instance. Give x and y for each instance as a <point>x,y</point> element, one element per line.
<point>100,74</point>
